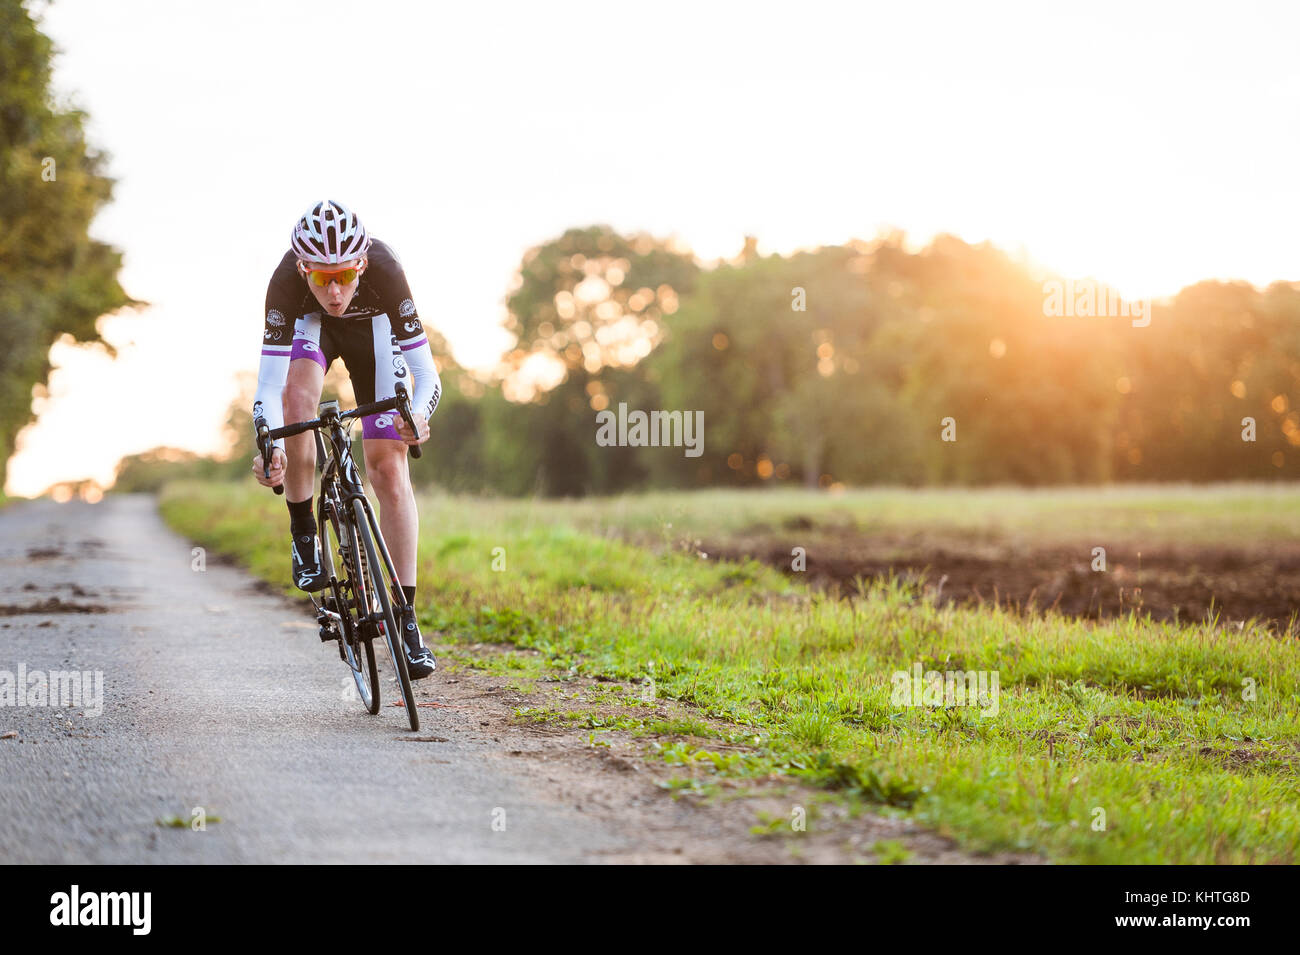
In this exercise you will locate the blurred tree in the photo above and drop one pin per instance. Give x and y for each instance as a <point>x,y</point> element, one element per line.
<point>1220,352</point>
<point>789,360</point>
<point>585,308</point>
<point>57,279</point>
<point>1033,396</point>
<point>454,454</point>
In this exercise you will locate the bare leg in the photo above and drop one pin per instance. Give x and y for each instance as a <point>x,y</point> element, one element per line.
<point>301,398</point>
<point>388,472</point>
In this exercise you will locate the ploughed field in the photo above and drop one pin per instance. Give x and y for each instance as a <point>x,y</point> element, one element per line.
<point>1169,583</point>
<point>1229,553</point>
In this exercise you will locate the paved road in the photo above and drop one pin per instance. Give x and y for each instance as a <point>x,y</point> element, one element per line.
<point>216,695</point>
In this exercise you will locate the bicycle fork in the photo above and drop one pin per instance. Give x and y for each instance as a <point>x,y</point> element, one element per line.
<point>327,616</point>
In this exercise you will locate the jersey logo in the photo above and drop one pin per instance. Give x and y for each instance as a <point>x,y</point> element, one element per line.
<point>274,317</point>
<point>399,366</point>
<point>406,309</point>
<point>412,326</point>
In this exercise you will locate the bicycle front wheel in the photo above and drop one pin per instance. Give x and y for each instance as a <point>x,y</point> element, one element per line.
<point>381,583</point>
<point>358,652</point>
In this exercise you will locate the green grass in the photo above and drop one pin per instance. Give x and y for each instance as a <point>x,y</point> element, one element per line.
<point>891,852</point>
<point>1140,725</point>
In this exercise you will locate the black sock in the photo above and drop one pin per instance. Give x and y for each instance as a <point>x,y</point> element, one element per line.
<point>301,519</point>
<point>409,592</point>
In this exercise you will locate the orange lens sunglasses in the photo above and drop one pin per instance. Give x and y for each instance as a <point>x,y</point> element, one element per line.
<point>322,278</point>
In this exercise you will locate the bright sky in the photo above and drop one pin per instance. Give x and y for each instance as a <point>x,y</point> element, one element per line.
<point>1147,145</point>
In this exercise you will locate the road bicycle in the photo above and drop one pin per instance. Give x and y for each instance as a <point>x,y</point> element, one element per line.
<point>363,600</point>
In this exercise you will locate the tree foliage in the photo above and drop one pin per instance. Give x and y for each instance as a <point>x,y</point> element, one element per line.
<point>57,280</point>
<point>586,308</point>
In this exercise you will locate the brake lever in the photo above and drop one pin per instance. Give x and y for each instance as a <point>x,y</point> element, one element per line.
<point>404,406</point>
<point>264,445</point>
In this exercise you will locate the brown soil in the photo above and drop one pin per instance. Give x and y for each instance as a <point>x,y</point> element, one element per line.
<point>1170,583</point>
<point>49,605</point>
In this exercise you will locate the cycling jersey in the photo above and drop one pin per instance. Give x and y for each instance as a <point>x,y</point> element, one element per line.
<point>379,338</point>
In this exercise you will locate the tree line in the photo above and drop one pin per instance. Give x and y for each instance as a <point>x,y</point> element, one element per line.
<point>860,364</point>
<point>870,363</point>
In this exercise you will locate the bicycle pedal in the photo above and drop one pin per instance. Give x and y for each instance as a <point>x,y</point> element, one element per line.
<point>328,633</point>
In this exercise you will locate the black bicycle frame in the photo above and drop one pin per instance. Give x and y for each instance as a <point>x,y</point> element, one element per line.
<point>341,470</point>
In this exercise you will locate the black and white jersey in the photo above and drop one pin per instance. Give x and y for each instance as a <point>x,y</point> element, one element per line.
<point>379,338</point>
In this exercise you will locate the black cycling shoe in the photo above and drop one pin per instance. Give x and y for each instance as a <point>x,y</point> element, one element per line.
<point>308,574</point>
<point>419,659</point>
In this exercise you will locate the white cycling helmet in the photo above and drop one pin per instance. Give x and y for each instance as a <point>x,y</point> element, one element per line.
<point>329,233</point>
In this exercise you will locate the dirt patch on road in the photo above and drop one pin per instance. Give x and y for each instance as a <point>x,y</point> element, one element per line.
<point>49,605</point>
<point>1169,583</point>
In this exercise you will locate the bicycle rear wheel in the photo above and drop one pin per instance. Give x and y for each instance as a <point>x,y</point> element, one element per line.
<point>380,583</point>
<point>356,645</point>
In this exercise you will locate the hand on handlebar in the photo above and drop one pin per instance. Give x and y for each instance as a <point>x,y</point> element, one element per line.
<point>411,428</point>
<point>278,464</point>
<point>406,434</point>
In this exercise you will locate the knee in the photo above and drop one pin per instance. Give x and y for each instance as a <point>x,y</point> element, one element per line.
<point>390,477</point>
<point>300,401</point>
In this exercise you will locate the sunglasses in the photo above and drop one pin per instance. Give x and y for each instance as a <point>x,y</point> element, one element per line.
<point>322,278</point>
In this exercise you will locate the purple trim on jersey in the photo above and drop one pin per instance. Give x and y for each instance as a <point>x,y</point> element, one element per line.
<point>299,351</point>
<point>418,343</point>
<point>371,430</point>
<point>278,351</point>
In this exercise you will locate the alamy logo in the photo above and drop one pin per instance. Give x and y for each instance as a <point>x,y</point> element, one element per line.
<point>103,908</point>
<point>946,688</point>
<point>658,429</point>
<point>54,688</point>
<point>1087,299</point>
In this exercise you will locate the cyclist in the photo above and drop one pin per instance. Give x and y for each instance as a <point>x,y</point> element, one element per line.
<point>339,293</point>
